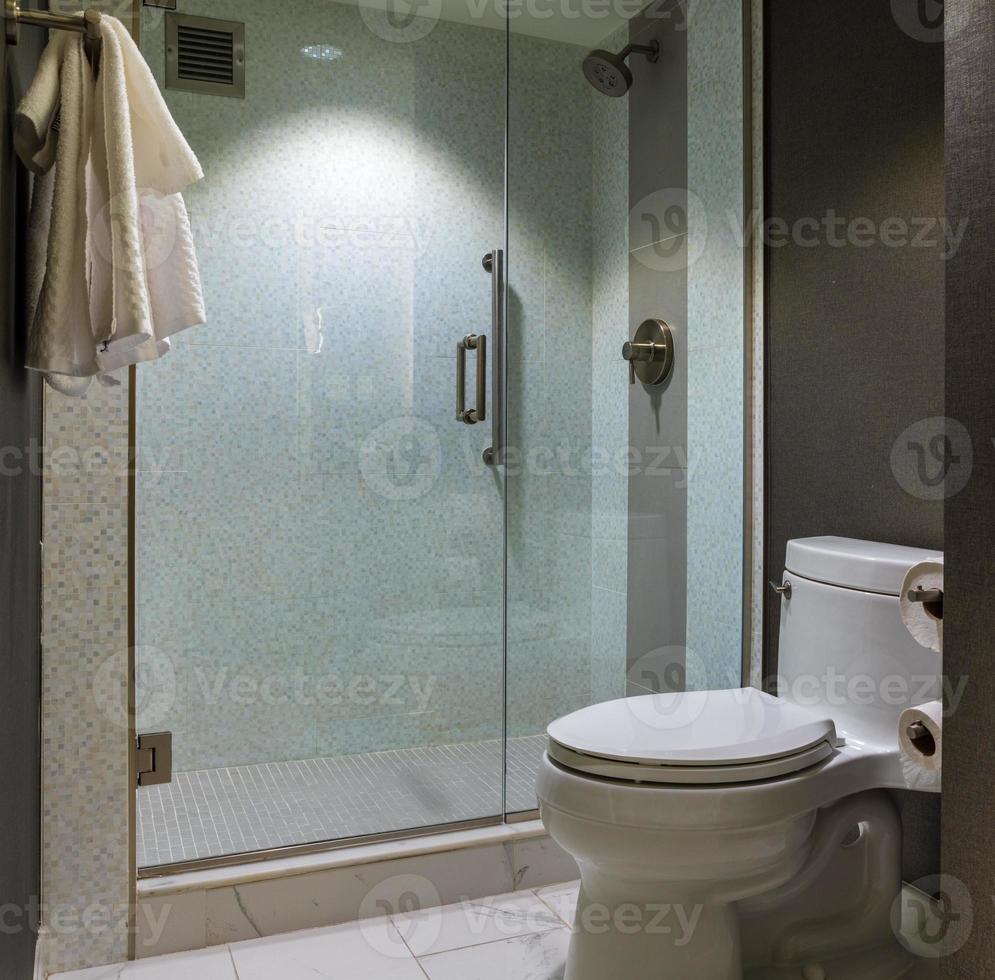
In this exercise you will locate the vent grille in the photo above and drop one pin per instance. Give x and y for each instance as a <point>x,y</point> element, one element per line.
<point>206,56</point>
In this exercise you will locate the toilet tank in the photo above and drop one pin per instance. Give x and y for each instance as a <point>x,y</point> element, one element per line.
<point>843,647</point>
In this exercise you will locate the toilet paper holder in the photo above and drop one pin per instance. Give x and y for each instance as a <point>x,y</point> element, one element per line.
<point>932,600</point>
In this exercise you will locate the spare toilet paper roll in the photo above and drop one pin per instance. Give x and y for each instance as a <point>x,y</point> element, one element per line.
<point>920,731</point>
<point>924,620</point>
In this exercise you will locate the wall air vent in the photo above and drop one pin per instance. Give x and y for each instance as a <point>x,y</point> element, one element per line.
<point>205,56</point>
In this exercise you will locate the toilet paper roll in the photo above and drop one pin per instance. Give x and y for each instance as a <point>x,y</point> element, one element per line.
<point>920,731</point>
<point>924,620</point>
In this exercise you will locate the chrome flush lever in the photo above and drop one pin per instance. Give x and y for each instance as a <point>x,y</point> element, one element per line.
<point>782,590</point>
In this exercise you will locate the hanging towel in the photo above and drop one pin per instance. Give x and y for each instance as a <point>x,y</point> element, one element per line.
<point>39,225</point>
<point>52,130</point>
<point>119,272</point>
<point>144,281</point>
<point>35,136</point>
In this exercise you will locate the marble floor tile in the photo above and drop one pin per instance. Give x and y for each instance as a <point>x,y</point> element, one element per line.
<point>541,956</point>
<point>368,950</point>
<point>561,899</point>
<point>204,964</point>
<point>474,923</point>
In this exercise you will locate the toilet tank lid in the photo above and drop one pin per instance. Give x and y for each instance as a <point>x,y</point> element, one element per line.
<point>865,565</point>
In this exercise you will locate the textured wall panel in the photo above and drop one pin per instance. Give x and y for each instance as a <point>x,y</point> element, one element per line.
<point>855,315</point>
<point>969,521</point>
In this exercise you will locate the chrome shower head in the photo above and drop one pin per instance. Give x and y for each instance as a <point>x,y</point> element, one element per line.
<point>609,73</point>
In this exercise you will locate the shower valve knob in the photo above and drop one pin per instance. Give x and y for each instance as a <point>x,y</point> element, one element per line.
<point>650,353</point>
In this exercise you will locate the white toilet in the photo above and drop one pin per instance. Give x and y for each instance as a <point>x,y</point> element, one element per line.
<point>724,834</point>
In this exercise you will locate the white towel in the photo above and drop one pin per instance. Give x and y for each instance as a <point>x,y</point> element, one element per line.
<point>39,225</point>
<point>144,281</point>
<point>120,272</point>
<point>34,136</point>
<point>60,339</point>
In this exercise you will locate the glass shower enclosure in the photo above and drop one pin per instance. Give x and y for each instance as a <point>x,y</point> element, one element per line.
<point>390,519</point>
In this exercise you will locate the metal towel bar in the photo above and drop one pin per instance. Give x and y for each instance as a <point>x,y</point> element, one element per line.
<point>88,25</point>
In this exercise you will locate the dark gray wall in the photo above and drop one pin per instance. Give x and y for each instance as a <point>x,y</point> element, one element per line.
<point>969,520</point>
<point>855,335</point>
<point>20,581</point>
<point>657,569</point>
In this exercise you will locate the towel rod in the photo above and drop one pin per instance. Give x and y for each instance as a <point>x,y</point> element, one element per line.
<point>88,25</point>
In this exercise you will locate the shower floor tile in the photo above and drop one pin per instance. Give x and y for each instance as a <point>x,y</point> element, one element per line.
<point>250,808</point>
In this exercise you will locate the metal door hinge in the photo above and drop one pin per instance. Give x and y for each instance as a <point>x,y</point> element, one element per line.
<point>154,758</point>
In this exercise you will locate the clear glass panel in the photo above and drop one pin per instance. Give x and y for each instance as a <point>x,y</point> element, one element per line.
<point>320,546</point>
<point>625,502</point>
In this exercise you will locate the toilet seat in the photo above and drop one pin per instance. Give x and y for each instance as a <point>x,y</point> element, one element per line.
<point>700,737</point>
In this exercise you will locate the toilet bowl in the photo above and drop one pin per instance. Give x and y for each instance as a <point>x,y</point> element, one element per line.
<point>729,834</point>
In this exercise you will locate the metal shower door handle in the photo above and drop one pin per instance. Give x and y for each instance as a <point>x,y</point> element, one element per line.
<point>471,416</point>
<point>494,264</point>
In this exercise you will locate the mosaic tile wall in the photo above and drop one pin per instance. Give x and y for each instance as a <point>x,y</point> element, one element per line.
<point>716,340</point>
<point>86,886</point>
<point>320,547</point>
<point>85,788</point>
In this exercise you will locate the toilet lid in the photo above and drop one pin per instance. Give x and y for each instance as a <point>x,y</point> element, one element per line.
<point>714,736</point>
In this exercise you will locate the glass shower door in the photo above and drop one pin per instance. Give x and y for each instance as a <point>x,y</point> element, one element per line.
<point>320,542</point>
<point>626,514</point>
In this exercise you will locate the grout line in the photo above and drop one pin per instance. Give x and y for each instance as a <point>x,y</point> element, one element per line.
<point>231,957</point>
<point>239,809</point>
<point>500,939</point>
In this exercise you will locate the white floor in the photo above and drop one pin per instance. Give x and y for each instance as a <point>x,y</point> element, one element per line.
<point>513,937</point>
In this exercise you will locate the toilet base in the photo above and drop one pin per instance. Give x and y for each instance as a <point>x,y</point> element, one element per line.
<point>650,940</point>
<point>808,896</point>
